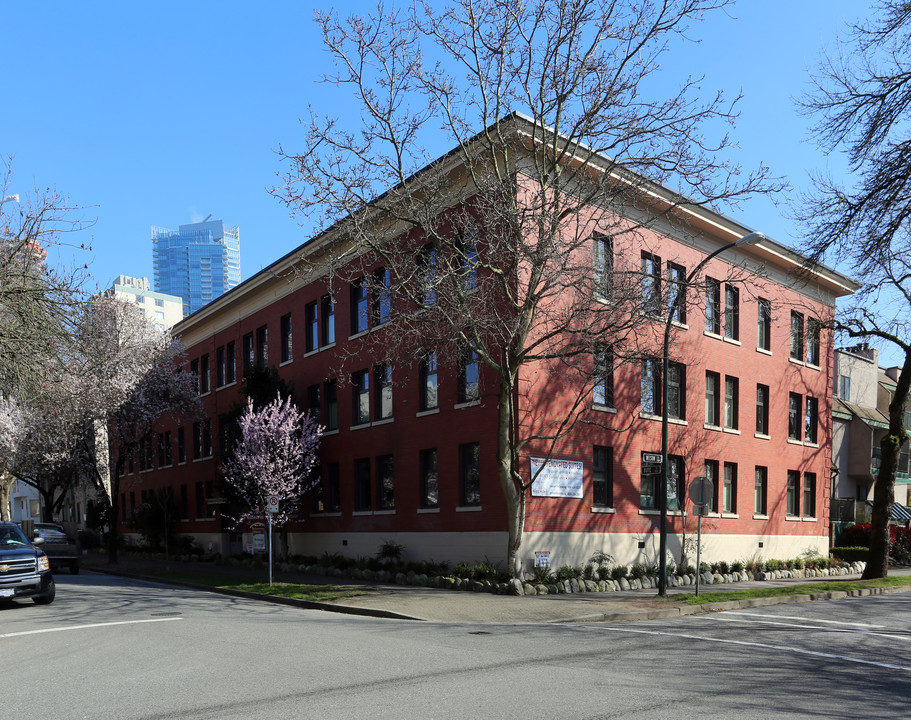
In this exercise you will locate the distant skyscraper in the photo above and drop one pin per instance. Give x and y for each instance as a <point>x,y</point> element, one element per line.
<point>198,262</point>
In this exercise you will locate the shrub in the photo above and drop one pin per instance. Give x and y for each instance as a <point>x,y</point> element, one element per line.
<point>542,575</point>
<point>390,551</point>
<point>186,545</point>
<point>724,568</point>
<point>436,568</point>
<point>637,570</point>
<point>704,567</point>
<point>621,571</point>
<point>331,560</point>
<point>855,536</point>
<point>604,572</point>
<point>899,540</point>
<point>859,536</point>
<point>462,570</point>
<point>485,571</point>
<point>568,572</point>
<point>89,540</point>
<point>737,566</point>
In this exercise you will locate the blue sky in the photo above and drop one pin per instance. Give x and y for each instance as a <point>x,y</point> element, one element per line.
<point>162,113</point>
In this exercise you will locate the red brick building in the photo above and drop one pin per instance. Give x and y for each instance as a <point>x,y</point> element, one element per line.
<point>409,452</point>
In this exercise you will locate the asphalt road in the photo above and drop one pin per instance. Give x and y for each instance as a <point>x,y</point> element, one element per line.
<point>115,648</point>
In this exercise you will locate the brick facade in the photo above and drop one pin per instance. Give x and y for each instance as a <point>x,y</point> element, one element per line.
<point>459,513</point>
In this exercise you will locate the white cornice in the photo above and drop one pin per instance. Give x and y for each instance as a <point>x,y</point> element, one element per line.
<point>280,278</point>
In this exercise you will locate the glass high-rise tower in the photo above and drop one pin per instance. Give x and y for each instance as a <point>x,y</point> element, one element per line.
<point>198,262</point>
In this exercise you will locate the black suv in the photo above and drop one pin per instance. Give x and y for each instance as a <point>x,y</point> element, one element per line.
<point>25,571</point>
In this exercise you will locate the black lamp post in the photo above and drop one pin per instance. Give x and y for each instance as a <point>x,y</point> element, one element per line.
<point>751,239</point>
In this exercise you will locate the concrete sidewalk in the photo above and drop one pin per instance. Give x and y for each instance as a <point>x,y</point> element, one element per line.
<point>418,603</point>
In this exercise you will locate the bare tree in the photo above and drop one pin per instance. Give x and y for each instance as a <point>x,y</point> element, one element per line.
<point>520,248</point>
<point>37,304</point>
<point>37,301</point>
<point>862,102</point>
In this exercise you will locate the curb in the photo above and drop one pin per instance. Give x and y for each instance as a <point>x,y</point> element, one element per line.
<point>293,602</point>
<point>745,604</point>
<point>631,615</point>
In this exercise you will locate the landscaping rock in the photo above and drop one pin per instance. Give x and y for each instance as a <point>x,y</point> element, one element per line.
<point>529,589</point>
<point>515,587</point>
<point>591,586</point>
<point>624,584</point>
<point>574,585</point>
<point>541,589</point>
<point>553,589</point>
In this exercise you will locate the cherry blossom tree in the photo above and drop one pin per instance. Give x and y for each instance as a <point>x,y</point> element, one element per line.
<point>274,455</point>
<point>126,379</point>
<point>46,453</point>
<point>10,433</point>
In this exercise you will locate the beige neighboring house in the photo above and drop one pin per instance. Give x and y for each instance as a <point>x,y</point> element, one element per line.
<point>164,310</point>
<point>860,406</point>
<point>24,502</point>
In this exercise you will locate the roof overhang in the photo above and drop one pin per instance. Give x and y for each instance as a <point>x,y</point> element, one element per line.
<point>715,225</point>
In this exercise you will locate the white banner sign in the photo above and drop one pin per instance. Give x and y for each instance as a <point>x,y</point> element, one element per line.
<point>558,478</point>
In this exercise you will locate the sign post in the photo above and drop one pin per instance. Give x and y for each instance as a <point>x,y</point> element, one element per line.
<point>701,490</point>
<point>271,509</point>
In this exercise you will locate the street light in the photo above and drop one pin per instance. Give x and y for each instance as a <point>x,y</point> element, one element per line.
<point>751,239</point>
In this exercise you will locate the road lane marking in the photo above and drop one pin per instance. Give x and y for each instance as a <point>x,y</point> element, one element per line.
<point>85,627</point>
<point>863,630</point>
<point>764,646</point>
<point>796,617</point>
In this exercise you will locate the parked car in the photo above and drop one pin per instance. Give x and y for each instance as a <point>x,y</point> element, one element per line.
<point>61,549</point>
<point>25,571</point>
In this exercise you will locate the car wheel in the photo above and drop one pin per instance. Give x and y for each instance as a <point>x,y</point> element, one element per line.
<point>48,597</point>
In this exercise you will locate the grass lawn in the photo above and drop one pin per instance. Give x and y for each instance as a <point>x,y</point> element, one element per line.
<point>320,593</point>
<point>801,589</point>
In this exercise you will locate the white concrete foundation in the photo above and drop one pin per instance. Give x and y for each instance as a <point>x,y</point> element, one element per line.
<point>578,548</point>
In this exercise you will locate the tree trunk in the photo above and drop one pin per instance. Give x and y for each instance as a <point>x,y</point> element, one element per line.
<point>113,517</point>
<point>6,482</point>
<point>47,505</point>
<point>884,489</point>
<point>883,496</point>
<point>515,500</point>
<point>112,533</point>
